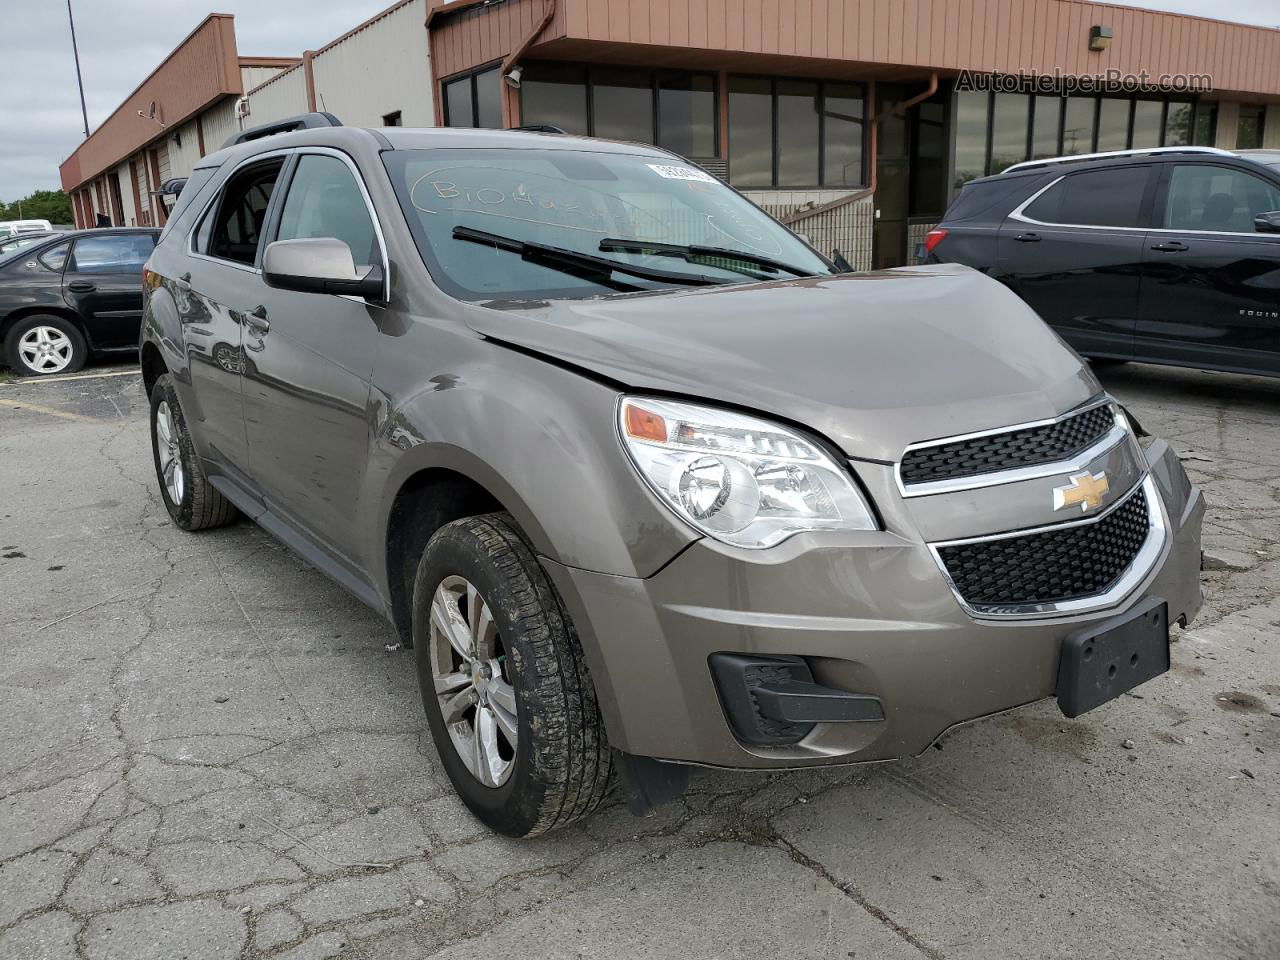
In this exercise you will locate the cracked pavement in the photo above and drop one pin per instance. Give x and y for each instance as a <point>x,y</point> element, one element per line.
<point>208,750</point>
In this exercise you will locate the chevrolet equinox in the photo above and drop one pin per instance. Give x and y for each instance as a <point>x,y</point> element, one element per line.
<point>639,477</point>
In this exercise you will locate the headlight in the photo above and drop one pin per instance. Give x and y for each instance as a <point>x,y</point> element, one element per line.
<point>744,481</point>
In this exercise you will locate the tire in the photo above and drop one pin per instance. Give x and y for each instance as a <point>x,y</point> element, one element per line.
<point>560,768</point>
<point>45,345</point>
<point>191,500</point>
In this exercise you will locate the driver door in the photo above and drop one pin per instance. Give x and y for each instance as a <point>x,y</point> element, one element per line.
<point>309,357</point>
<point>1210,282</point>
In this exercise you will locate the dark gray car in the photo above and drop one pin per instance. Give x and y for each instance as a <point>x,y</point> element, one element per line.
<point>642,481</point>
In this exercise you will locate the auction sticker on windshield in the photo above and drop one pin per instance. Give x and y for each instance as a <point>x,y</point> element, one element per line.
<point>674,172</point>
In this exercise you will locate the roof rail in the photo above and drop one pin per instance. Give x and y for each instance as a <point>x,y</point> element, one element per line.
<point>1028,164</point>
<point>304,121</point>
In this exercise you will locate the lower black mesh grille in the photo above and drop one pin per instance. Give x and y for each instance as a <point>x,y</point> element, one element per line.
<point>1007,451</point>
<point>1051,566</point>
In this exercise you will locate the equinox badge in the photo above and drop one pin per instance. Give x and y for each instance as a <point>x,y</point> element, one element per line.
<point>1086,489</point>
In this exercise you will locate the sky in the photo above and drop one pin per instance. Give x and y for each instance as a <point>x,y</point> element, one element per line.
<point>121,41</point>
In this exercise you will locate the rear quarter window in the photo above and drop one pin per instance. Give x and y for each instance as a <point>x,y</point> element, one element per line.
<point>1112,197</point>
<point>980,197</point>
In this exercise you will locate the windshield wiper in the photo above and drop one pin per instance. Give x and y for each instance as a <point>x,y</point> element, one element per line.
<point>580,264</point>
<point>691,250</point>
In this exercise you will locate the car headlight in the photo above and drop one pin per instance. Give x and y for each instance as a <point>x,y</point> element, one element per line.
<point>742,480</point>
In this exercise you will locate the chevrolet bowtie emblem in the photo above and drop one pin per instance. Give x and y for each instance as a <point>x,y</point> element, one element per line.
<point>1086,489</point>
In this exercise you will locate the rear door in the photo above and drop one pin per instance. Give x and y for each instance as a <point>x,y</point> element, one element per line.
<point>1211,282</point>
<point>1074,252</point>
<point>103,283</point>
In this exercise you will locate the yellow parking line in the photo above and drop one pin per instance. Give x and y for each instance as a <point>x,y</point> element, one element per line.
<point>47,411</point>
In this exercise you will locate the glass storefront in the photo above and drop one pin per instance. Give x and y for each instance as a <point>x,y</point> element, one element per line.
<point>993,131</point>
<point>674,109</point>
<point>795,133</point>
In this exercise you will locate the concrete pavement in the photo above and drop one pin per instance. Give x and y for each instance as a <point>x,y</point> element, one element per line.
<point>207,750</point>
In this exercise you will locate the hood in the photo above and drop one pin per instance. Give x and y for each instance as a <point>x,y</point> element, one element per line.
<point>872,361</point>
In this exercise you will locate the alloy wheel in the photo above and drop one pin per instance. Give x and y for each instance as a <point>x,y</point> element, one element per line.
<point>171,471</point>
<point>45,349</point>
<point>469,668</point>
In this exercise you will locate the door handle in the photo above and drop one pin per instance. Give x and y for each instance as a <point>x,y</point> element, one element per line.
<point>256,320</point>
<point>81,286</point>
<point>1028,238</point>
<point>1170,246</point>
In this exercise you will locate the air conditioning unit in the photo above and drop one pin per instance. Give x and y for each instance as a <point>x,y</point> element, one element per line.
<point>242,107</point>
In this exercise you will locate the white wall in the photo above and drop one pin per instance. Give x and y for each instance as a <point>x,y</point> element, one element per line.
<point>126,195</point>
<point>284,96</point>
<point>182,159</point>
<point>383,68</point>
<point>219,123</point>
<point>251,77</point>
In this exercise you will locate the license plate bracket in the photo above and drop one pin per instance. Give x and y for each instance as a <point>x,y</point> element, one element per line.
<point>1110,658</point>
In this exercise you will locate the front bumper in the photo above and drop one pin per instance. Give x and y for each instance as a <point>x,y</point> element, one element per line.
<point>870,612</point>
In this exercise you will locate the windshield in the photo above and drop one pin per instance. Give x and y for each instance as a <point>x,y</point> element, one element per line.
<point>574,201</point>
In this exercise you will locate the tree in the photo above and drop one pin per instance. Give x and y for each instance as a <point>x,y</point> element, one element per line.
<point>51,205</point>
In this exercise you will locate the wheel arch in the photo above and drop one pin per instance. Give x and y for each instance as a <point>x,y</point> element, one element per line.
<point>153,365</point>
<point>425,501</point>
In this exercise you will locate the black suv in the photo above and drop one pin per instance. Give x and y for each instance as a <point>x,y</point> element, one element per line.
<point>69,294</point>
<point>1164,256</point>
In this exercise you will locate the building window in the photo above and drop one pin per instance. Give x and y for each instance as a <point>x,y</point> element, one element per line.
<point>1179,123</point>
<point>1206,124</point>
<point>795,133</point>
<point>392,119</point>
<point>555,94</point>
<point>1249,133</point>
<point>1009,125</point>
<point>1148,124</point>
<point>1078,123</point>
<point>1046,125</point>
<point>672,109</point>
<point>622,104</point>
<point>687,114</point>
<point>971,114</point>
<point>474,100</point>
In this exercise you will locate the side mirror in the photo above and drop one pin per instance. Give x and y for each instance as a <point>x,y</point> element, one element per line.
<point>320,265</point>
<point>1267,222</point>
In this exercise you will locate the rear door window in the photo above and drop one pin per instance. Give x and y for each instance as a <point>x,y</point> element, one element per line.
<point>1095,198</point>
<point>123,253</point>
<point>233,227</point>
<point>1207,197</point>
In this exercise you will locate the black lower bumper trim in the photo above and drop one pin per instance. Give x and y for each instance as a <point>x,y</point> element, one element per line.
<point>774,701</point>
<point>798,702</point>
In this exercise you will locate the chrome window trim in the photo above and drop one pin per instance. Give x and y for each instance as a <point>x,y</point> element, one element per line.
<point>217,195</point>
<point>1019,214</point>
<point>1132,152</point>
<point>1016,474</point>
<point>1152,550</point>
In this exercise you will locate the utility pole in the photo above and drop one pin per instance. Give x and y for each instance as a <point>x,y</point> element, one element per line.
<point>84,112</point>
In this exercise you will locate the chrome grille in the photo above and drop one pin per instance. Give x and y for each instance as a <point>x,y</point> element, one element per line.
<point>1009,450</point>
<point>1050,566</point>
